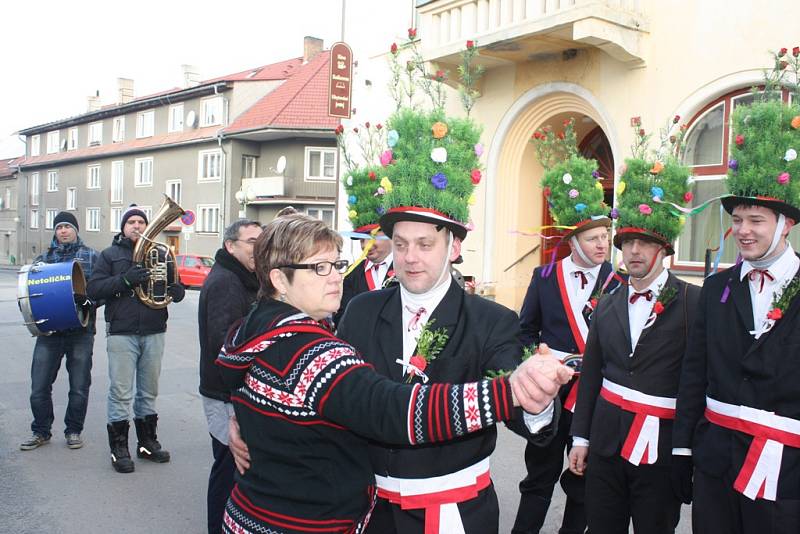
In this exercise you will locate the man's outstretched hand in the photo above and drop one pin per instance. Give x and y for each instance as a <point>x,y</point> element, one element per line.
<point>535,383</point>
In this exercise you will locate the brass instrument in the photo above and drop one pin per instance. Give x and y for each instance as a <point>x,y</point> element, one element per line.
<point>149,253</point>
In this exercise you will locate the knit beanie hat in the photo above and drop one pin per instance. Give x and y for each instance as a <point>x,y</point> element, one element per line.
<point>65,217</point>
<point>132,210</point>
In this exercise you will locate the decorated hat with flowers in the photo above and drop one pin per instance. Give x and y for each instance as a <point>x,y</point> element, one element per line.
<point>572,184</point>
<point>648,187</point>
<point>763,168</point>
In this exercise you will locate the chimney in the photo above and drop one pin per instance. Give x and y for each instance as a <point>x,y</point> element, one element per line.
<point>93,102</point>
<point>125,86</point>
<point>311,47</point>
<point>191,76</point>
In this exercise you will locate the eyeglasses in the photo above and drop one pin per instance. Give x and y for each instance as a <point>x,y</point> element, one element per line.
<point>251,241</point>
<point>322,268</point>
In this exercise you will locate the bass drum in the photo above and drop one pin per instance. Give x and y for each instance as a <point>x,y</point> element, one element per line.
<point>47,294</point>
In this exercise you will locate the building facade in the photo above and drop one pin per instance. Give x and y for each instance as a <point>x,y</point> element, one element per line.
<point>242,145</point>
<point>9,218</point>
<point>601,62</point>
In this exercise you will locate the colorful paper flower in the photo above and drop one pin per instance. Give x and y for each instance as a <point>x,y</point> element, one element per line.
<point>739,140</point>
<point>657,167</point>
<point>349,181</point>
<point>380,192</point>
<point>470,44</point>
<point>546,191</point>
<point>380,210</point>
<point>775,314</point>
<point>657,192</point>
<point>791,155</point>
<point>478,149</point>
<point>567,178</point>
<point>386,157</point>
<point>733,164</point>
<point>783,178</point>
<point>614,213</point>
<point>622,169</point>
<point>392,137</point>
<point>620,188</point>
<point>439,130</point>
<point>352,214</point>
<point>658,308</point>
<point>573,193</point>
<point>386,184</point>
<point>688,196</point>
<point>471,200</point>
<point>596,175</point>
<point>796,122</point>
<point>439,181</point>
<point>645,209</point>
<point>475,175</point>
<point>351,200</point>
<point>439,154</point>
<point>372,175</point>
<point>598,185</point>
<point>580,207</point>
<point>393,48</point>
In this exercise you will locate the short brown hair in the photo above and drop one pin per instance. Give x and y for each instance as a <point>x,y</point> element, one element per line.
<point>290,239</point>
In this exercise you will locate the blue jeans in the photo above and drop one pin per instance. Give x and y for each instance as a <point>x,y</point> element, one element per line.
<point>133,358</point>
<point>47,354</point>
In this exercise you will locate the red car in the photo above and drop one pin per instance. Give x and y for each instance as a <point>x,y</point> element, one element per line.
<point>194,269</point>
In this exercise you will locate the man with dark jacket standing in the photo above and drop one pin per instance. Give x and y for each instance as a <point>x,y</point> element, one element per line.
<point>135,344</point>
<point>227,295</point>
<point>77,345</point>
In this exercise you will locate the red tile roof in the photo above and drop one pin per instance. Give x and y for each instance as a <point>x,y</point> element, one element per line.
<point>276,71</point>
<point>5,167</point>
<point>109,149</point>
<point>300,102</point>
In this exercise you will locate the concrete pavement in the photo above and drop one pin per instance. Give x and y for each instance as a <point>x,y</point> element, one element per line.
<point>58,490</point>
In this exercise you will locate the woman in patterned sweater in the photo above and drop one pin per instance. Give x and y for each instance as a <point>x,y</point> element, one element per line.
<point>307,402</point>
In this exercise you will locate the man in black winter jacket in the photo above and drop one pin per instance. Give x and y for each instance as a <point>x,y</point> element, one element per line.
<point>134,342</point>
<point>227,295</point>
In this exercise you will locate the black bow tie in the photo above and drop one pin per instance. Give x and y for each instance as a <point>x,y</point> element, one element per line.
<point>648,295</point>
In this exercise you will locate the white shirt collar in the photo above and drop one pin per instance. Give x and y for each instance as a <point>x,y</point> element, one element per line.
<point>570,267</point>
<point>428,300</point>
<point>655,286</point>
<point>779,269</point>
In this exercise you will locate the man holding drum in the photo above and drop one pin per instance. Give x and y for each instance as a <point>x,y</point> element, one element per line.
<point>75,344</point>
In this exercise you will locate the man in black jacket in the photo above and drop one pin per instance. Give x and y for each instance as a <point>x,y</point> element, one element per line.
<point>227,295</point>
<point>134,342</point>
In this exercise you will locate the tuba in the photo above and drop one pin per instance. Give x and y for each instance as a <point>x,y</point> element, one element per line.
<point>157,257</point>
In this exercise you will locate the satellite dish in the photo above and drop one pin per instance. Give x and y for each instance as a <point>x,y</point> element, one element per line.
<point>191,119</point>
<point>63,144</point>
<point>281,165</point>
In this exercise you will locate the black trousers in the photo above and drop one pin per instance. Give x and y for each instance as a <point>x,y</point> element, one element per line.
<point>220,484</point>
<point>717,507</point>
<point>480,515</point>
<point>618,492</point>
<point>545,466</point>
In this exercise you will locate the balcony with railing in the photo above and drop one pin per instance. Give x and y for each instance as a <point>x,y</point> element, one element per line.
<point>522,30</point>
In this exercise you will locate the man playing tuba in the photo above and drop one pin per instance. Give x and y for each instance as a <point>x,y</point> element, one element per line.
<point>135,340</point>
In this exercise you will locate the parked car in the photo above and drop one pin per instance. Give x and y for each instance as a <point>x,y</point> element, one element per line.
<point>193,269</point>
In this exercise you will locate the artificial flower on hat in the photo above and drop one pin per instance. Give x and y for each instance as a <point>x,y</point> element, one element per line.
<point>572,184</point>
<point>435,158</point>
<point>653,182</point>
<point>763,168</point>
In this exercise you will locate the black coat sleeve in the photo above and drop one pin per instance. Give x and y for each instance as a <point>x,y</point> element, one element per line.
<point>348,292</point>
<point>104,284</point>
<point>223,308</point>
<point>692,390</point>
<point>530,316</point>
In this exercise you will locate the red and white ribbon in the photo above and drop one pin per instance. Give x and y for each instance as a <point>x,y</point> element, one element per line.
<point>409,368</point>
<point>641,444</point>
<point>758,477</point>
<point>439,496</point>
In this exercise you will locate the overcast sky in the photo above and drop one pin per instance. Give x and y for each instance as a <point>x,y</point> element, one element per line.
<point>55,54</point>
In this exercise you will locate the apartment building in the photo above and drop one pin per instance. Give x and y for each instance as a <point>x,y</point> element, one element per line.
<point>9,219</point>
<point>242,145</point>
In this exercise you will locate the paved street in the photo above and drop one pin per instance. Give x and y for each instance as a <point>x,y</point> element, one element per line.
<point>57,490</point>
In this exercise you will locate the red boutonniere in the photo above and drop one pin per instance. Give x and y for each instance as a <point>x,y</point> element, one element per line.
<point>429,345</point>
<point>780,304</point>
<point>665,296</point>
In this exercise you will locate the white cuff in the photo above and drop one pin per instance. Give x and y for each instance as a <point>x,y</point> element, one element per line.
<point>536,422</point>
<point>681,452</point>
<point>578,441</point>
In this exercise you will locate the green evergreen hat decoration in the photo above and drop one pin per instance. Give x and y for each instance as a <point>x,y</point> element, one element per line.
<point>763,168</point>
<point>432,161</point>
<point>647,187</point>
<point>571,183</point>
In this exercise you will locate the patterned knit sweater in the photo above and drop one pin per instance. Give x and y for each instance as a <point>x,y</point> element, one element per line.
<point>307,403</point>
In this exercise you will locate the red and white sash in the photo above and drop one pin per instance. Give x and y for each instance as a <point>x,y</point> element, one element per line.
<point>641,444</point>
<point>578,327</point>
<point>572,396</point>
<point>758,477</point>
<point>439,496</point>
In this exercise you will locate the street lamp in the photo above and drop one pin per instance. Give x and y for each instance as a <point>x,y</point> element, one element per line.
<point>244,196</point>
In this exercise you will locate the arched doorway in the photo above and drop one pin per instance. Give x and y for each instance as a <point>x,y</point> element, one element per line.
<point>513,197</point>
